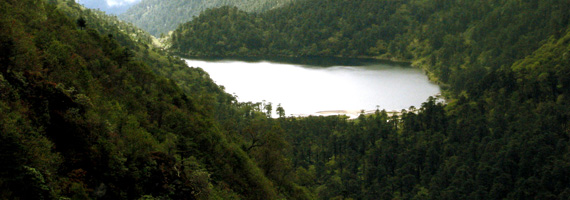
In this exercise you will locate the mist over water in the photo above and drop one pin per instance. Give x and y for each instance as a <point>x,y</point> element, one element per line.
<point>305,88</point>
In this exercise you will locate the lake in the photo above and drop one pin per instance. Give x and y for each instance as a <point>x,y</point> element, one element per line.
<point>321,86</point>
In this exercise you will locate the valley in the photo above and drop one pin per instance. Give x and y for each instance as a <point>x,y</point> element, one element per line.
<point>91,108</point>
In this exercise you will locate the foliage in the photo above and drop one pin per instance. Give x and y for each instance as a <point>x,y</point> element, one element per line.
<point>160,17</point>
<point>504,65</point>
<point>309,27</point>
<point>456,42</point>
<point>88,112</point>
<point>91,110</point>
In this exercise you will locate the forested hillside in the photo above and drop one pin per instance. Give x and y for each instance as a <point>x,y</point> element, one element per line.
<point>125,33</point>
<point>90,109</point>
<point>88,113</point>
<point>162,16</point>
<point>505,67</point>
<point>444,37</point>
<point>506,137</point>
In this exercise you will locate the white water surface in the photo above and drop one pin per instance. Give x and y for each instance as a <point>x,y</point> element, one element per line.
<point>346,87</point>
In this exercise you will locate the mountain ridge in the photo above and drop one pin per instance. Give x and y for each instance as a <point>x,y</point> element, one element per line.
<point>91,110</point>
<point>104,6</point>
<point>161,17</point>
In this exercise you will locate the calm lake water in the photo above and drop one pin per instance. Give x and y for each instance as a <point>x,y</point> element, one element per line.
<point>313,86</point>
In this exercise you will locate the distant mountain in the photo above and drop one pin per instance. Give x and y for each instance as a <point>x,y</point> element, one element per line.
<point>162,16</point>
<point>114,7</point>
<point>90,109</point>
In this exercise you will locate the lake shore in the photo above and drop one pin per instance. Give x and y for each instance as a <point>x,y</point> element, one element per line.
<point>299,58</point>
<point>351,114</point>
<point>311,87</point>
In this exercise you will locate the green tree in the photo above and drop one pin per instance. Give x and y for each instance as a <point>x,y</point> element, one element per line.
<point>81,23</point>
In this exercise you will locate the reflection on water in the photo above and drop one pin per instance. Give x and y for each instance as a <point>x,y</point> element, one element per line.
<point>308,61</point>
<point>310,85</point>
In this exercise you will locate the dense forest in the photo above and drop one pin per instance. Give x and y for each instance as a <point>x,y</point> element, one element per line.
<point>93,114</point>
<point>443,37</point>
<point>504,66</point>
<point>160,16</point>
<point>92,109</point>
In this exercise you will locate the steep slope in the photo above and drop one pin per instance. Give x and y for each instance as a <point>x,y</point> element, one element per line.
<point>88,112</point>
<point>506,137</point>
<point>457,42</point>
<point>503,134</point>
<point>310,27</point>
<point>159,17</point>
<point>86,116</point>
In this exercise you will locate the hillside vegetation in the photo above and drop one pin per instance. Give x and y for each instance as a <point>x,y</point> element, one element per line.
<point>91,114</point>
<point>504,66</point>
<point>90,109</point>
<point>457,42</point>
<point>160,17</point>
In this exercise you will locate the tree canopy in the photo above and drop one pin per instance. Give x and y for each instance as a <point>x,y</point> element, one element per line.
<point>88,112</point>
<point>95,110</point>
<point>502,64</point>
<point>160,17</point>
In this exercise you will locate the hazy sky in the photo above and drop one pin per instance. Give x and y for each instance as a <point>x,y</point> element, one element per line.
<point>109,6</point>
<point>112,3</point>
